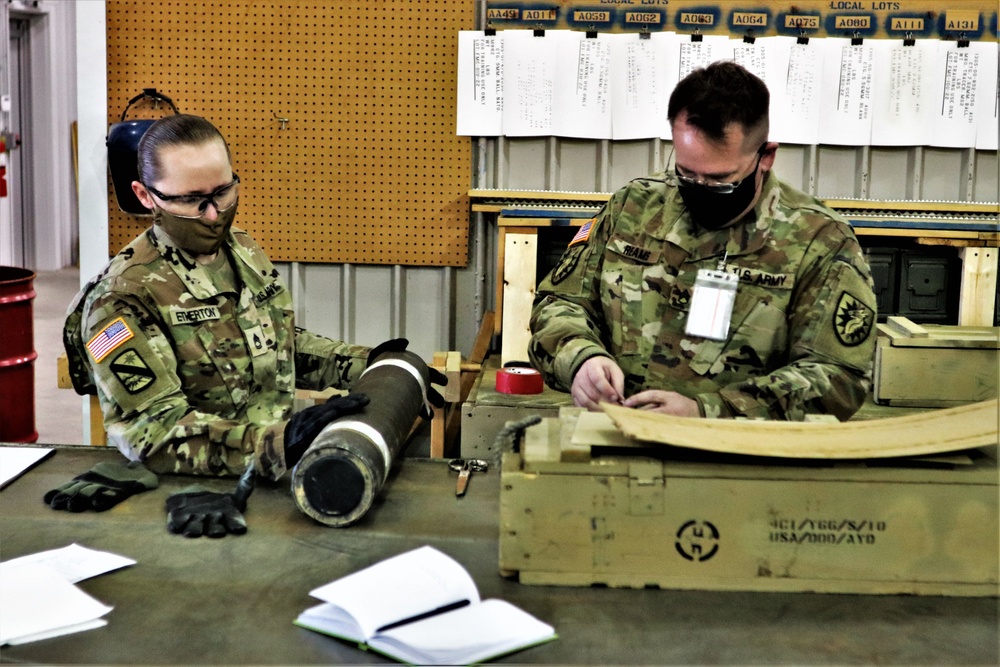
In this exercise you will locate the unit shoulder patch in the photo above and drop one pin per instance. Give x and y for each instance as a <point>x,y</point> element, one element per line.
<point>132,371</point>
<point>852,320</point>
<point>567,264</point>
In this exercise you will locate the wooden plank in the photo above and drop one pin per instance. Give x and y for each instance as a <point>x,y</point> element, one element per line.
<point>481,347</point>
<point>594,429</point>
<point>98,436</point>
<point>521,258</point>
<point>539,195</point>
<point>549,221</point>
<point>921,434</point>
<point>903,325</point>
<point>453,371</point>
<point>941,336</point>
<point>951,207</point>
<point>438,420</point>
<point>920,234</point>
<point>977,300</point>
<point>957,243</point>
<point>63,380</point>
<point>505,221</point>
<point>453,421</point>
<point>541,442</point>
<point>983,338</point>
<point>913,206</point>
<point>501,259</point>
<point>935,376</point>
<point>982,240</point>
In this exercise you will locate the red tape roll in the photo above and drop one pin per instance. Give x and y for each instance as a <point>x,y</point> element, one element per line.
<point>519,381</point>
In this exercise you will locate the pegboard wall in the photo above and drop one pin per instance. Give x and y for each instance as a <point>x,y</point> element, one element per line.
<point>365,169</point>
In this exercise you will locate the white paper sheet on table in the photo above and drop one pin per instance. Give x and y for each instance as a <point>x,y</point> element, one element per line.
<point>38,599</point>
<point>36,602</point>
<point>15,461</point>
<point>73,563</point>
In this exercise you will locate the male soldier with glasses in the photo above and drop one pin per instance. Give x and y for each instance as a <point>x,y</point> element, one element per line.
<point>717,291</point>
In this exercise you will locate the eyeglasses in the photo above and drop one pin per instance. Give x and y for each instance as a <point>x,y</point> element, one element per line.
<point>713,186</point>
<point>194,206</point>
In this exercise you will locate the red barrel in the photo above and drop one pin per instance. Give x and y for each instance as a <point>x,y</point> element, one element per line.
<point>17,356</point>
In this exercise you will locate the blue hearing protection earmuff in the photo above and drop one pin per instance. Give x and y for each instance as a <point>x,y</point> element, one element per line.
<point>123,148</point>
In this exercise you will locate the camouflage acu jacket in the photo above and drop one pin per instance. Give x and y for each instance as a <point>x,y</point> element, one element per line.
<point>801,337</point>
<point>194,377</point>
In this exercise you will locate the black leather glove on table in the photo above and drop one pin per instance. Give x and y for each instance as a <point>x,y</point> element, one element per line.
<point>102,487</point>
<point>434,397</point>
<point>195,511</point>
<point>306,424</point>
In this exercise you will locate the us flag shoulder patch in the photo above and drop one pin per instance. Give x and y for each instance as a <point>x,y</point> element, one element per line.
<point>108,339</point>
<point>583,235</point>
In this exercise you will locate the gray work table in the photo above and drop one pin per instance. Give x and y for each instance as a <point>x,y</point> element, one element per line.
<point>233,600</point>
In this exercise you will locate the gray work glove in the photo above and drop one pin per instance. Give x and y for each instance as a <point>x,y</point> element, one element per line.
<point>434,397</point>
<point>306,424</point>
<point>195,511</point>
<point>102,487</point>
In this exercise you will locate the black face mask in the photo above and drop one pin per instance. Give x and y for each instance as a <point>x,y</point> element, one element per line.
<point>713,210</point>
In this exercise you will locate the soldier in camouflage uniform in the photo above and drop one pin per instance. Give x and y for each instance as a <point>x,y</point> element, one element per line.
<point>188,333</point>
<point>610,321</point>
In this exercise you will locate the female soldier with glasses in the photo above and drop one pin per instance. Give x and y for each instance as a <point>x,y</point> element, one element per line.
<point>188,334</point>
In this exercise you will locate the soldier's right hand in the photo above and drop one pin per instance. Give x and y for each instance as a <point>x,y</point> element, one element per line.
<point>306,424</point>
<point>599,379</point>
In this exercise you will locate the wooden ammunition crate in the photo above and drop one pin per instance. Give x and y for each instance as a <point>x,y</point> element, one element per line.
<point>582,505</point>
<point>935,365</point>
<point>486,411</point>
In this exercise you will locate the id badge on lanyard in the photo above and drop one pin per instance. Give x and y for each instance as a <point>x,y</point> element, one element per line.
<point>712,304</point>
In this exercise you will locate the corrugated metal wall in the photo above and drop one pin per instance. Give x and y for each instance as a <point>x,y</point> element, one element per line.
<point>440,308</point>
<point>917,173</point>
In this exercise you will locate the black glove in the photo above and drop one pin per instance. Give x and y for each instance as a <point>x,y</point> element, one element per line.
<point>306,424</point>
<point>434,397</point>
<point>102,487</point>
<point>391,345</point>
<point>195,511</point>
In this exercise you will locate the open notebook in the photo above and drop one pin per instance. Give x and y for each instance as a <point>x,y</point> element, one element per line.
<point>422,607</point>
